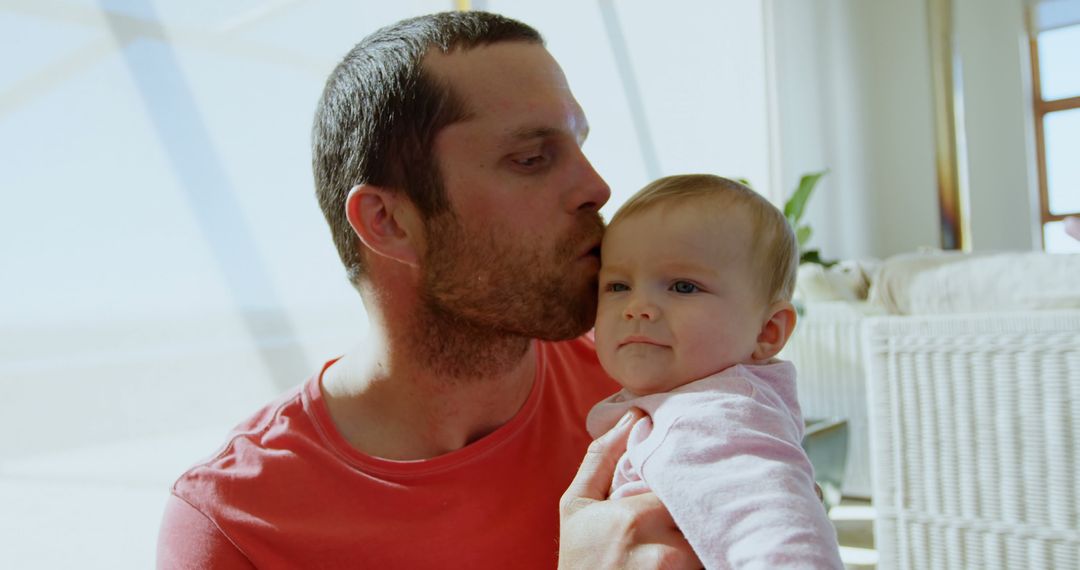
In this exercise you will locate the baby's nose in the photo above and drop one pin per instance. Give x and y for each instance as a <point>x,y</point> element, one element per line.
<point>640,308</point>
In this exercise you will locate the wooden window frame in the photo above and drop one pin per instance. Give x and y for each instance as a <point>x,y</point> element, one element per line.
<point>1043,108</point>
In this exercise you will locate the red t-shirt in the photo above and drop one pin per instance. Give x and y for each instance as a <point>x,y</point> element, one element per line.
<point>287,490</point>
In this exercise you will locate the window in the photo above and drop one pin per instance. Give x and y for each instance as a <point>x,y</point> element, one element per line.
<point>1055,55</point>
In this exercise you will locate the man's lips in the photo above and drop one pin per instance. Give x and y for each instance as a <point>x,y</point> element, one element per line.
<point>593,250</point>
<point>591,256</point>
<point>638,339</point>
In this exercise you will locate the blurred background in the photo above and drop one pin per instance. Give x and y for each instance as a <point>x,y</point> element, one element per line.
<point>165,270</point>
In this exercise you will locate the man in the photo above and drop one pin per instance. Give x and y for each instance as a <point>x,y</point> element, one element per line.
<point>447,159</point>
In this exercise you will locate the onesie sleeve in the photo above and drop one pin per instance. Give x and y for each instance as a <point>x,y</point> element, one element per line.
<point>739,485</point>
<point>188,539</point>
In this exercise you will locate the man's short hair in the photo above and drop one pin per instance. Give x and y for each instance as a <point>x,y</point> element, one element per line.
<point>380,112</point>
<point>776,251</point>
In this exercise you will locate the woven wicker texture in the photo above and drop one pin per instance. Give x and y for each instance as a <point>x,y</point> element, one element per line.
<point>975,440</point>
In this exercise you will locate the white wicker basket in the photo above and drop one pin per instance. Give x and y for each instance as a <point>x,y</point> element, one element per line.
<point>975,440</point>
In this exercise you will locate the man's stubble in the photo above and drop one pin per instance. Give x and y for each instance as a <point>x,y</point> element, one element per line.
<point>485,296</point>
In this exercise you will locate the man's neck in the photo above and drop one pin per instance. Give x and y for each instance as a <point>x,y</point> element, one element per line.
<point>426,388</point>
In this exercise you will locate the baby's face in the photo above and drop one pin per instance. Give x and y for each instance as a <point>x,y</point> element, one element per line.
<point>678,299</point>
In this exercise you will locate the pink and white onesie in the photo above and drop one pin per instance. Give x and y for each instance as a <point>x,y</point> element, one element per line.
<point>723,454</point>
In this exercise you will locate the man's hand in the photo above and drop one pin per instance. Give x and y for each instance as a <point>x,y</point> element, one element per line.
<point>633,532</point>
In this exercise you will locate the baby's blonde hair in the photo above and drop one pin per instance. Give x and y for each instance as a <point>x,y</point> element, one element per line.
<point>775,247</point>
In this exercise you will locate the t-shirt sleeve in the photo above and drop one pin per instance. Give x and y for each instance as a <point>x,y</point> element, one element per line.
<point>188,539</point>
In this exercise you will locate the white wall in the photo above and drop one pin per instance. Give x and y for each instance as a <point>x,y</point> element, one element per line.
<point>164,209</point>
<point>166,269</point>
<point>855,96</point>
<point>993,45</point>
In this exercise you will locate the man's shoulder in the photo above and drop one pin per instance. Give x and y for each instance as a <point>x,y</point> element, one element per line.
<point>264,443</point>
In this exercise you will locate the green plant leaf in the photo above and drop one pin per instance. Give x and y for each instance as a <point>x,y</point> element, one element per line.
<point>796,205</point>
<point>802,235</point>
<point>814,256</point>
<point>744,182</point>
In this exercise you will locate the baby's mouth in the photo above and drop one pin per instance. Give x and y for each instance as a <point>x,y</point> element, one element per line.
<point>640,340</point>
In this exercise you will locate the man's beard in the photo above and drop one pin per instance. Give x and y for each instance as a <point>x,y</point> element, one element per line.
<point>484,296</point>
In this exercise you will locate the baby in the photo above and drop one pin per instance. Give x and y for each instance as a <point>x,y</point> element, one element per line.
<point>695,303</point>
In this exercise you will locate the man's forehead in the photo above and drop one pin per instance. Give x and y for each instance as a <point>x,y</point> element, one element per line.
<point>499,58</point>
<point>520,79</point>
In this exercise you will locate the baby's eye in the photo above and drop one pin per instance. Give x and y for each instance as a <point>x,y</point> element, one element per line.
<point>684,287</point>
<point>617,287</point>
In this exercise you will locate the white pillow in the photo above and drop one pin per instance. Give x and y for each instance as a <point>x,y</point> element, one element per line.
<point>959,283</point>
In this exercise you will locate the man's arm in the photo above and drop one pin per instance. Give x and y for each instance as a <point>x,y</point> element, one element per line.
<point>634,532</point>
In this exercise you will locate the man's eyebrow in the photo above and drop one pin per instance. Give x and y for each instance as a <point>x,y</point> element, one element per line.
<point>529,133</point>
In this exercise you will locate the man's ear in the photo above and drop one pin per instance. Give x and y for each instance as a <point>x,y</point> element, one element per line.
<point>386,221</point>
<point>775,331</point>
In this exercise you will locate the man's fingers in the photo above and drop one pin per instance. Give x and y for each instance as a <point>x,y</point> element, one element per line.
<point>666,547</point>
<point>651,509</point>
<point>593,478</point>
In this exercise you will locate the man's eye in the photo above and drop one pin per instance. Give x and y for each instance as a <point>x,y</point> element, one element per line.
<point>684,287</point>
<point>617,287</point>
<point>529,161</point>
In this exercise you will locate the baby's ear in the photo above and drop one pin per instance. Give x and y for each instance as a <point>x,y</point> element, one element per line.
<point>775,331</point>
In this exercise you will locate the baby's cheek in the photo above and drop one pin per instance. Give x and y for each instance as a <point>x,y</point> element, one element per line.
<point>603,327</point>
<point>604,350</point>
<point>707,354</point>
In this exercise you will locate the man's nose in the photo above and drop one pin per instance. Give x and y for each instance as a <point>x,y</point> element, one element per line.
<point>590,191</point>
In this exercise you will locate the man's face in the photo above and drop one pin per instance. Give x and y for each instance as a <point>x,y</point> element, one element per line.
<point>518,252</point>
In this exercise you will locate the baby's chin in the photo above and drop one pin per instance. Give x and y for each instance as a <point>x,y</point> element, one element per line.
<point>652,384</point>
